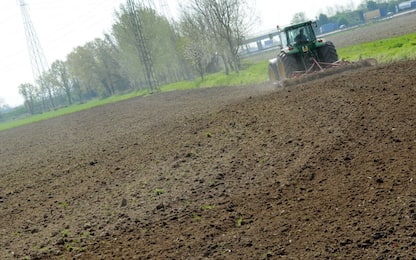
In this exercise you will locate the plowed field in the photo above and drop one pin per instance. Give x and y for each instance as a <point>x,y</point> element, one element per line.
<point>321,170</point>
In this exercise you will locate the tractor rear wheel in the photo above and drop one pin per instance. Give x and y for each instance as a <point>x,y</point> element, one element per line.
<point>328,53</point>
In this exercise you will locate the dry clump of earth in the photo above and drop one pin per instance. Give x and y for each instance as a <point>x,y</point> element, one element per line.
<point>323,169</point>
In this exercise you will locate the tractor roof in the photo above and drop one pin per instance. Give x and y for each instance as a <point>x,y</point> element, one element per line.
<point>295,26</point>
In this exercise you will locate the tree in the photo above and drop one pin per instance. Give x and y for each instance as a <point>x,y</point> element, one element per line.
<point>28,92</point>
<point>82,66</point>
<point>323,19</point>
<point>60,77</point>
<point>107,68</point>
<point>198,48</point>
<point>392,6</point>
<point>165,48</point>
<point>342,20</point>
<point>161,48</point>
<point>372,5</point>
<point>47,90</point>
<point>228,21</point>
<point>299,18</point>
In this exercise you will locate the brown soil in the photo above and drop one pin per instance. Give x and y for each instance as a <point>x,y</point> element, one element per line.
<point>321,170</point>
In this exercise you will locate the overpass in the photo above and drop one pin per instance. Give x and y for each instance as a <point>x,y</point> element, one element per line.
<point>259,43</point>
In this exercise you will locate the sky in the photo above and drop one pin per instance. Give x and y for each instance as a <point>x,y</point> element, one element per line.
<point>62,25</point>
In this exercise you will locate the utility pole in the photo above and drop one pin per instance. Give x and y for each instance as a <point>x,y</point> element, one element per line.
<point>142,46</point>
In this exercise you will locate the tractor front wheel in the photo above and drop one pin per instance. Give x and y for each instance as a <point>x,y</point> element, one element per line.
<point>272,72</point>
<point>287,65</point>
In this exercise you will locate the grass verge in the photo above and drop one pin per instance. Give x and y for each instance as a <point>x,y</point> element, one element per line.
<point>385,51</point>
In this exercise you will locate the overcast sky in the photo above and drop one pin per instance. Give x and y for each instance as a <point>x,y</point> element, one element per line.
<point>62,25</point>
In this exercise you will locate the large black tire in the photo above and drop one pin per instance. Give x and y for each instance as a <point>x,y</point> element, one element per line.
<point>328,53</point>
<point>287,64</point>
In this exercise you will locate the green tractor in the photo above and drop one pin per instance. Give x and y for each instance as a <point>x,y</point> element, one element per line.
<point>301,53</point>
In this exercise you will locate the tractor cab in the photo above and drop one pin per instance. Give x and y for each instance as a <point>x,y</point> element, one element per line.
<point>298,35</point>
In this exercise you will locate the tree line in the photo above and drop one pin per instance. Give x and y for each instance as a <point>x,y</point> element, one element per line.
<point>349,15</point>
<point>143,51</point>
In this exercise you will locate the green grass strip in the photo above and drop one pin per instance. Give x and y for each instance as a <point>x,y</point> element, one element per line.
<point>385,51</point>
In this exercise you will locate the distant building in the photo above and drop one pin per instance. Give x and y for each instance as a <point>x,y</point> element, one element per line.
<point>407,5</point>
<point>328,27</point>
<point>372,15</point>
<point>375,14</point>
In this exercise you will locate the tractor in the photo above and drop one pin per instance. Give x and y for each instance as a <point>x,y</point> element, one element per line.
<point>301,53</point>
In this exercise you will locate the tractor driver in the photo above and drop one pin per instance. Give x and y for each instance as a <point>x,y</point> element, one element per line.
<point>301,37</point>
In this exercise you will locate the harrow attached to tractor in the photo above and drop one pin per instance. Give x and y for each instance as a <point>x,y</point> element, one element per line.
<point>303,57</point>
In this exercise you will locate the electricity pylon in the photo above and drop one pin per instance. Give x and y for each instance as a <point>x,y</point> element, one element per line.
<point>142,46</point>
<point>36,54</point>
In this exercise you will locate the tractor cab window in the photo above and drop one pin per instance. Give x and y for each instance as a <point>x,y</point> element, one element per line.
<point>310,33</point>
<point>292,36</point>
<point>301,35</point>
<point>283,39</point>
